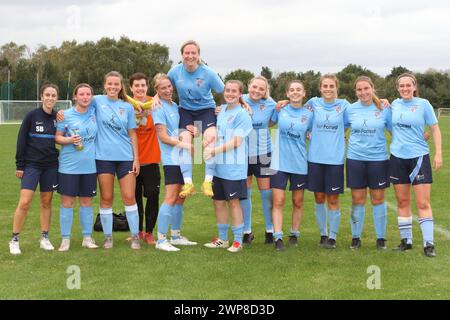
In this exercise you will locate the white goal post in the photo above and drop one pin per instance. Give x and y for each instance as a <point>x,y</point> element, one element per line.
<point>443,112</point>
<point>13,111</point>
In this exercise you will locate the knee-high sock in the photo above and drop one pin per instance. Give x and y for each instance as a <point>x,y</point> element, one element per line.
<point>176,221</point>
<point>223,231</point>
<point>238,232</point>
<point>65,220</point>
<point>321,217</point>
<point>266,200</point>
<point>133,219</point>
<point>164,216</point>
<point>335,219</point>
<point>405,228</point>
<point>427,227</point>
<point>106,217</point>
<point>86,220</point>
<point>357,220</point>
<point>380,219</point>
<point>246,205</point>
<point>186,165</point>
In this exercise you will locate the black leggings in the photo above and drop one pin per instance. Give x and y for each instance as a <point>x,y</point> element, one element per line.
<point>147,185</point>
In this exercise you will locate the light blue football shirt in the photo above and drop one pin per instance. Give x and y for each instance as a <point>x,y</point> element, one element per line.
<point>327,145</point>
<point>236,122</point>
<point>367,140</point>
<point>289,149</point>
<point>194,88</point>
<point>409,119</point>
<point>114,119</point>
<point>259,141</point>
<point>72,161</point>
<point>168,116</point>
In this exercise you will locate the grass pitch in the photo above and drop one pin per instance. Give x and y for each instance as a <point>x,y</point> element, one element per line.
<point>258,272</point>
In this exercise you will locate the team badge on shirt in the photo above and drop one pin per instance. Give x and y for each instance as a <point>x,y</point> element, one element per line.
<point>414,108</point>
<point>308,107</point>
<point>338,109</point>
<point>122,112</point>
<point>377,114</point>
<point>230,119</point>
<point>199,82</point>
<point>303,119</point>
<point>262,106</point>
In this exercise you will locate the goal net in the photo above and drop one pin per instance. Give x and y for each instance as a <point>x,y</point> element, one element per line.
<point>13,111</point>
<point>443,112</point>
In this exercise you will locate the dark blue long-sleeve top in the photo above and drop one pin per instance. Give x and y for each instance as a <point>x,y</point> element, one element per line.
<point>36,140</point>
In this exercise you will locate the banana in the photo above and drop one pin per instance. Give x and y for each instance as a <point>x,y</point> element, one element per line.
<point>145,106</point>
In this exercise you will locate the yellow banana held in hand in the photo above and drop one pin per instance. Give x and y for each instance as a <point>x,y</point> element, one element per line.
<point>141,120</point>
<point>145,106</point>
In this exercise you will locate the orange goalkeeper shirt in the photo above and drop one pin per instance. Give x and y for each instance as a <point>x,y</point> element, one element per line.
<point>148,142</point>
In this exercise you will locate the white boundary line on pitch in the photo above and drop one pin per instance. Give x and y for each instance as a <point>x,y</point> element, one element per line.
<point>438,228</point>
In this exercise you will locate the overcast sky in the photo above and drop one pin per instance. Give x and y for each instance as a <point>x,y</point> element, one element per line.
<point>285,35</point>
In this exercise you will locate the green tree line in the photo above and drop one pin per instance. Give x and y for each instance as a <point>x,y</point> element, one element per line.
<point>89,61</point>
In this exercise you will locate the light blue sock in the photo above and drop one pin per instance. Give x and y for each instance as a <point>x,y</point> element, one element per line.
<point>380,219</point>
<point>133,219</point>
<point>321,217</point>
<point>357,220</point>
<point>177,219</point>
<point>295,233</point>
<point>246,205</point>
<point>238,233</point>
<point>223,231</point>
<point>65,221</point>
<point>86,220</point>
<point>164,217</point>
<point>106,217</point>
<point>427,226</point>
<point>405,228</point>
<point>186,164</point>
<point>266,200</point>
<point>278,235</point>
<point>335,219</point>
